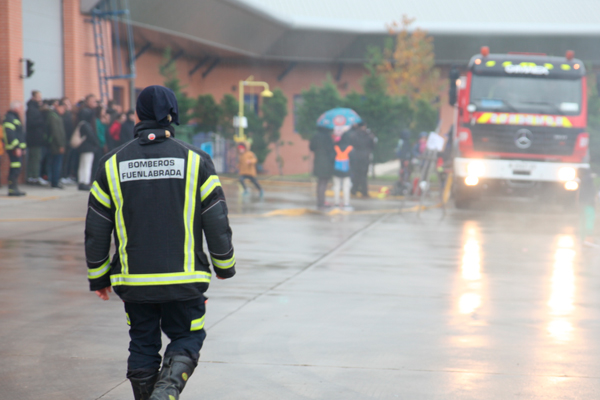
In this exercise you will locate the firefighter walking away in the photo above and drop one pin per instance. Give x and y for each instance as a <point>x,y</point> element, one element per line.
<point>14,144</point>
<point>160,196</point>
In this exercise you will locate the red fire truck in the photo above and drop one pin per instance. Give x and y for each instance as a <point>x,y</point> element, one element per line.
<point>520,126</point>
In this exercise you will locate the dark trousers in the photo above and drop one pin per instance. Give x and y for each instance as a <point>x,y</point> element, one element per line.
<point>252,179</point>
<point>13,173</point>
<point>55,168</point>
<point>70,163</point>
<point>34,161</point>
<point>360,170</point>
<point>179,320</point>
<point>321,189</point>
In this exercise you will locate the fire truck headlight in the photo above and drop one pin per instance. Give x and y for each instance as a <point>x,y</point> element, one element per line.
<point>566,174</point>
<point>571,185</point>
<point>471,180</point>
<point>475,168</point>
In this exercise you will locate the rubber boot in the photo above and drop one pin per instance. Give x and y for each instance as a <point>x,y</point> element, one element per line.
<point>142,388</point>
<point>172,378</point>
<point>13,190</point>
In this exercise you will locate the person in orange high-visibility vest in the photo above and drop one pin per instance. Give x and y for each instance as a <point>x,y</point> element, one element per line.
<point>341,171</point>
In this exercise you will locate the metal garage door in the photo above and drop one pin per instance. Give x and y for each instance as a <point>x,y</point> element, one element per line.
<point>43,44</point>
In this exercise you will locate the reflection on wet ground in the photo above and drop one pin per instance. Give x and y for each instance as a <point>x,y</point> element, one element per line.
<point>499,302</point>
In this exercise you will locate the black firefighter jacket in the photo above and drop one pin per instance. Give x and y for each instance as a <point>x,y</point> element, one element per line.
<point>158,195</point>
<point>13,132</point>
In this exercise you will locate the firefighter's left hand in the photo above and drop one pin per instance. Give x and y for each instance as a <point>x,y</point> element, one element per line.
<point>103,293</point>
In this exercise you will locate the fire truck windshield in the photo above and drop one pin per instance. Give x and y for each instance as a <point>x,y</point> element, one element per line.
<point>526,94</point>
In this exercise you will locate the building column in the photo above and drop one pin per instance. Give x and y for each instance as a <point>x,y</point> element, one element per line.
<point>81,74</point>
<point>11,52</point>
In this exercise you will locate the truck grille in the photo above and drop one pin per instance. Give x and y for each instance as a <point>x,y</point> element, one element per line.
<point>534,139</point>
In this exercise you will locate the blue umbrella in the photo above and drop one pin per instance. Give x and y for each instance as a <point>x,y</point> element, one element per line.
<point>338,117</point>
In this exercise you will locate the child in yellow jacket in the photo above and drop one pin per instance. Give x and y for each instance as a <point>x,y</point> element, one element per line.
<point>247,168</point>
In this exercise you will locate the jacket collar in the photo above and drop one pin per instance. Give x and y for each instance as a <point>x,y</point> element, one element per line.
<point>149,132</point>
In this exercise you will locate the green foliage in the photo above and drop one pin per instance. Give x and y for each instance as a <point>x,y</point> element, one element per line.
<point>384,115</point>
<point>207,112</point>
<point>274,111</point>
<point>229,108</point>
<point>256,133</point>
<point>315,101</point>
<point>426,117</point>
<point>185,103</point>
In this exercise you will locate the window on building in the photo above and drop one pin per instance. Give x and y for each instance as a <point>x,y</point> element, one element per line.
<point>118,95</point>
<point>298,101</point>
<point>251,100</point>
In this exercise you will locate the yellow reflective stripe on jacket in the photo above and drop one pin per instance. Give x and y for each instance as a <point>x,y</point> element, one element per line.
<point>16,122</point>
<point>159,279</point>
<point>197,324</point>
<point>114,184</point>
<point>128,320</point>
<point>12,145</point>
<point>23,145</point>
<point>16,164</point>
<point>224,264</point>
<point>211,183</point>
<point>189,210</point>
<point>100,195</point>
<point>95,273</point>
<point>9,125</point>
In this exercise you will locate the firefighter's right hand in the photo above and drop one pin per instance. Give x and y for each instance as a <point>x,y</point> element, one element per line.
<point>103,293</point>
<point>18,152</point>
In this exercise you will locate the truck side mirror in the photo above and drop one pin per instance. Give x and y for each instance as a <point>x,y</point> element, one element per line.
<point>452,91</point>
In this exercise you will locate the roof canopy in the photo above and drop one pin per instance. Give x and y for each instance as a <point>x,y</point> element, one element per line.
<point>340,31</point>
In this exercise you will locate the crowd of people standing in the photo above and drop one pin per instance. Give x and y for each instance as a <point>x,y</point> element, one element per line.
<point>345,158</point>
<point>62,144</point>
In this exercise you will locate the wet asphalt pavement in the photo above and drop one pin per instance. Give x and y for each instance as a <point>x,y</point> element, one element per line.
<point>500,302</point>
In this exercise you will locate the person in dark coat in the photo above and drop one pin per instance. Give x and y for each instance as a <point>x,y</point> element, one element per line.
<point>36,132</point>
<point>363,142</point>
<point>127,128</point>
<point>87,149</point>
<point>322,145</point>
<point>71,158</point>
<point>57,140</point>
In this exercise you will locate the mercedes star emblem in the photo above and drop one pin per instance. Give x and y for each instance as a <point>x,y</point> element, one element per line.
<point>523,138</point>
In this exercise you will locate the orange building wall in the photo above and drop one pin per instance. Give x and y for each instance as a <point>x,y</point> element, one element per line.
<point>81,73</point>
<point>224,79</point>
<point>11,52</point>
